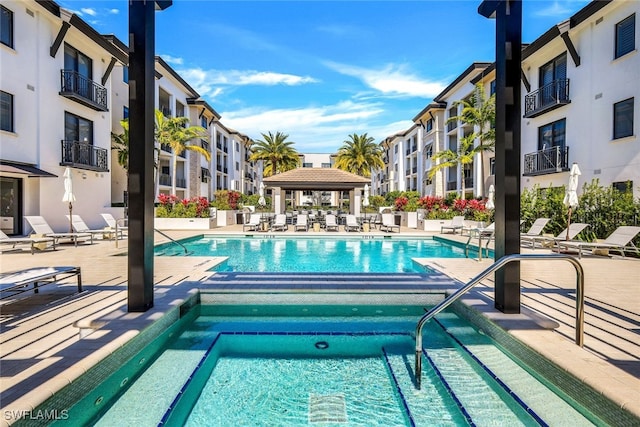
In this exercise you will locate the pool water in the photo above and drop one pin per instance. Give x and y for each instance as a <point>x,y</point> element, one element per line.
<point>352,366</point>
<point>315,255</point>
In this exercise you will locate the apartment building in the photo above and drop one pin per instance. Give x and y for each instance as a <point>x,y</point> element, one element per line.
<point>313,197</point>
<point>403,163</point>
<point>581,85</point>
<point>56,101</point>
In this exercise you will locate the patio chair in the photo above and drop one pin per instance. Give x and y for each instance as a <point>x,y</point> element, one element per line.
<point>116,224</point>
<point>486,233</point>
<point>253,224</point>
<point>620,240</point>
<point>40,243</point>
<point>17,282</point>
<point>536,228</point>
<point>351,224</point>
<point>388,223</point>
<point>280,223</point>
<point>457,222</point>
<point>40,226</point>
<point>302,223</point>
<point>569,233</point>
<point>330,223</point>
<point>79,226</point>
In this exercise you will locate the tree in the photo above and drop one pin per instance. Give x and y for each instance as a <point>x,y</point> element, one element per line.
<point>276,153</point>
<point>175,133</point>
<point>359,155</point>
<point>462,156</point>
<point>480,112</point>
<point>121,145</point>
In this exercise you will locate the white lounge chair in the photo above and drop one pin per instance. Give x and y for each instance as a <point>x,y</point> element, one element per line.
<point>330,223</point>
<point>280,223</point>
<point>620,240</point>
<point>253,224</point>
<point>388,223</point>
<point>351,224</point>
<point>35,242</point>
<point>536,228</point>
<point>118,225</point>
<point>79,226</point>
<point>40,226</point>
<point>302,223</point>
<point>457,223</point>
<point>482,233</point>
<point>17,282</point>
<point>569,233</point>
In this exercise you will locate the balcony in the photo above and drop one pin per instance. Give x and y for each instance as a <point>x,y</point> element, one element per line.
<point>542,162</point>
<point>166,148</point>
<point>452,185</point>
<point>83,90</point>
<point>181,182</point>
<point>83,155</point>
<point>547,98</point>
<point>165,179</point>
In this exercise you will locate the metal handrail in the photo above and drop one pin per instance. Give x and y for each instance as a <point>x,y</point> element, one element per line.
<point>174,241</point>
<point>492,268</point>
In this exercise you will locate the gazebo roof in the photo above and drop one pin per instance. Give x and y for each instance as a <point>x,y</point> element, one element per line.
<point>316,179</point>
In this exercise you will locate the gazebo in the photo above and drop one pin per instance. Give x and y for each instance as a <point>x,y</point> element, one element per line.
<point>317,179</point>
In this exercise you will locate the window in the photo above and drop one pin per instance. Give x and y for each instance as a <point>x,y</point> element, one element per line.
<point>395,149</point>
<point>492,87</point>
<point>237,147</point>
<point>77,128</point>
<point>307,165</point>
<point>625,36</point>
<point>428,151</point>
<point>429,125</point>
<point>203,120</point>
<point>552,135</point>
<point>552,75</point>
<point>623,119</point>
<point>492,166</point>
<point>125,112</point>
<point>6,27</point>
<point>623,187</point>
<point>326,165</point>
<point>125,74</point>
<point>6,111</point>
<point>237,166</point>
<point>75,60</point>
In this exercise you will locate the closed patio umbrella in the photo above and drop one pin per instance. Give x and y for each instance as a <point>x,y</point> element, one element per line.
<point>365,198</point>
<point>261,200</point>
<point>68,196</point>
<point>492,194</point>
<point>571,195</point>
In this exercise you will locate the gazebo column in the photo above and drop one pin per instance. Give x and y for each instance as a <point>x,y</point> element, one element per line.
<point>278,201</point>
<point>355,199</point>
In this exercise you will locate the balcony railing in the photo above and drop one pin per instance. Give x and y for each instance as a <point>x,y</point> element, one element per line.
<point>204,144</point>
<point>546,98</point>
<point>451,126</point>
<point>550,160</point>
<point>181,182</point>
<point>452,185</point>
<point>74,85</point>
<point>166,148</point>
<point>83,155</point>
<point>166,180</point>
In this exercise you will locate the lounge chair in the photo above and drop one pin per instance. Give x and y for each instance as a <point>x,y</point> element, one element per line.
<point>620,240</point>
<point>548,242</point>
<point>351,224</point>
<point>482,233</point>
<point>388,223</point>
<point>457,223</point>
<point>253,224</point>
<point>302,223</point>
<point>536,228</point>
<point>35,242</point>
<point>330,223</point>
<point>40,226</point>
<point>116,224</point>
<point>280,223</point>
<point>18,281</point>
<point>79,226</point>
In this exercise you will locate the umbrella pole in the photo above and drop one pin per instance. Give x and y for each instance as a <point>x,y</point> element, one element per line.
<point>70,218</point>
<point>566,237</point>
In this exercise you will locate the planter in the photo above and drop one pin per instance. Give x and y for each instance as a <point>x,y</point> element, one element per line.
<point>184,223</point>
<point>224,218</point>
<point>435,225</point>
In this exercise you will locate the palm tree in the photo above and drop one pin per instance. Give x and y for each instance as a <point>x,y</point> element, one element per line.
<point>276,153</point>
<point>480,112</point>
<point>462,156</point>
<point>175,133</point>
<point>121,145</point>
<point>359,155</point>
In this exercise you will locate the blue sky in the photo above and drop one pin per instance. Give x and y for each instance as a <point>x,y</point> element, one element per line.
<point>320,71</point>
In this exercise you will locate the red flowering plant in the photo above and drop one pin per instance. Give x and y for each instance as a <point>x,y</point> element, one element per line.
<point>170,206</point>
<point>401,203</point>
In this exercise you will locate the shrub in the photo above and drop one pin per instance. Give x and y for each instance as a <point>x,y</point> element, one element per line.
<point>226,200</point>
<point>173,207</point>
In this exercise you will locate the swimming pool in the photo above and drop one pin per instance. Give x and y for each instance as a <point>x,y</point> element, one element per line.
<point>345,255</point>
<point>352,365</point>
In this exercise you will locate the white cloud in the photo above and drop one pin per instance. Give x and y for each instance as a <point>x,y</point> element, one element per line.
<point>114,11</point>
<point>392,80</point>
<point>172,60</point>
<point>558,9</point>
<point>89,11</point>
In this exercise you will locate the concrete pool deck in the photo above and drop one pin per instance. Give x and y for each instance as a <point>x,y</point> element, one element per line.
<point>41,351</point>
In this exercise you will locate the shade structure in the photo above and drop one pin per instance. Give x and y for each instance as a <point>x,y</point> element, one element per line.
<point>365,197</point>
<point>261,200</point>
<point>571,195</point>
<point>490,197</point>
<point>68,196</point>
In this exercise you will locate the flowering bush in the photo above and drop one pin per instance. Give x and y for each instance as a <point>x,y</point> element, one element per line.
<point>226,200</point>
<point>438,208</point>
<point>173,207</point>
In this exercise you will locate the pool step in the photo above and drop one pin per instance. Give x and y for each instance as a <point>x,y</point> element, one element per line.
<point>328,281</point>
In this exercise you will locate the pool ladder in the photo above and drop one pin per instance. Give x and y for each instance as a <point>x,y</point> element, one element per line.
<point>492,268</point>
<point>172,240</point>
